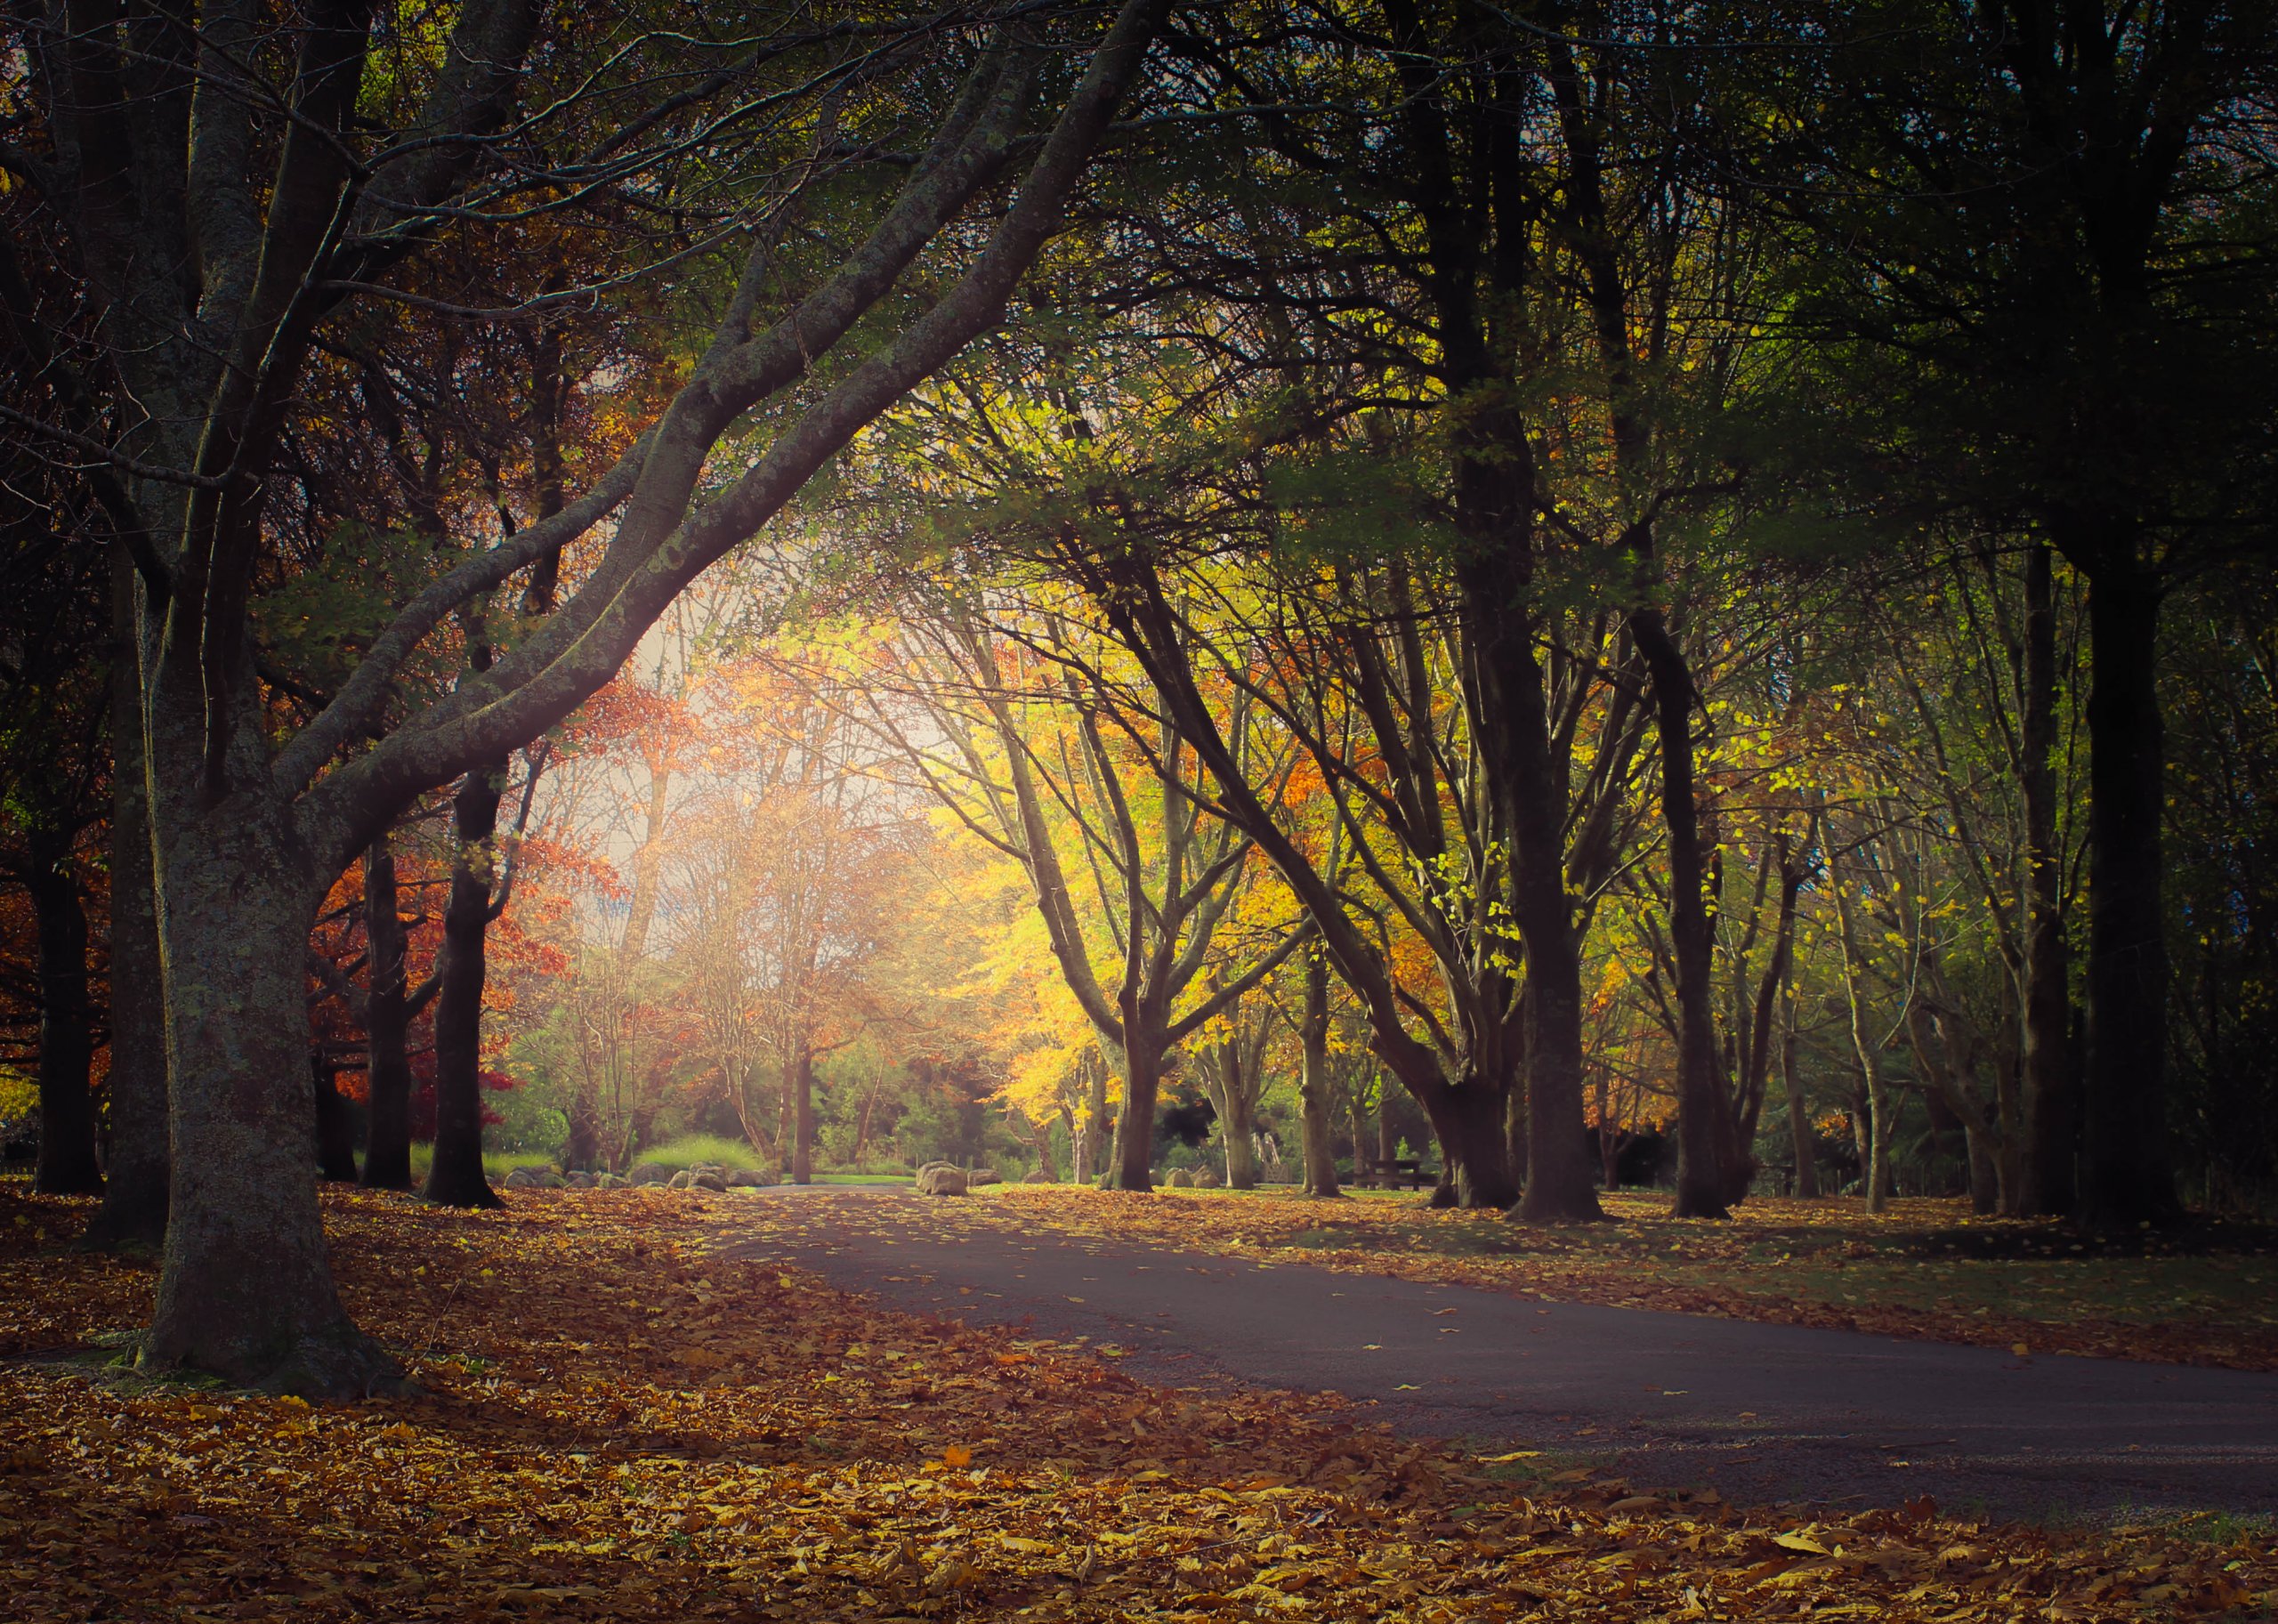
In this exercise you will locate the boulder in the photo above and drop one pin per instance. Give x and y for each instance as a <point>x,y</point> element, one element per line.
<point>517,1178</point>
<point>610,1181</point>
<point>982,1175</point>
<point>1180,1179</point>
<point>940,1179</point>
<point>1042,1176</point>
<point>924,1167</point>
<point>650,1173</point>
<point>706,1180</point>
<point>708,1166</point>
<point>749,1178</point>
<point>1205,1178</point>
<point>681,1180</point>
<point>579,1180</point>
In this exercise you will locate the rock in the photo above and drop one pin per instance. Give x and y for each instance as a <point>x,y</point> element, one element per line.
<point>924,1167</point>
<point>611,1181</point>
<point>681,1180</point>
<point>1180,1179</point>
<point>718,1169</point>
<point>546,1178</point>
<point>1042,1176</point>
<point>749,1178</point>
<point>1204,1179</point>
<point>982,1175</point>
<point>650,1173</point>
<point>940,1179</point>
<point>517,1178</point>
<point>707,1181</point>
<point>579,1180</point>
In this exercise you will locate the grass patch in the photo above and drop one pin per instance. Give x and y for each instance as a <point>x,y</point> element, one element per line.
<point>496,1164</point>
<point>689,1149</point>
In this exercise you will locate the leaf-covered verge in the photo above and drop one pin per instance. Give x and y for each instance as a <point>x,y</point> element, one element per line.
<point>1924,1270</point>
<point>618,1425</point>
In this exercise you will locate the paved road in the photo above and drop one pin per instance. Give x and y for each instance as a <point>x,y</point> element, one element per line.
<point>1764,1412</point>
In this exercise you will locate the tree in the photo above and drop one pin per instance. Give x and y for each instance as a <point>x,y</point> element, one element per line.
<point>2079,344</point>
<point>248,833</point>
<point>1052,759</point>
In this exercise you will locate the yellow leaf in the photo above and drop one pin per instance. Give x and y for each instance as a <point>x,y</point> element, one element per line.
<point>1799,1542</point>
<point>957,1454</point>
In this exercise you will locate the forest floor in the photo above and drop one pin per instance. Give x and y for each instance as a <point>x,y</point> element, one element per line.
<point>618,1421</point>
<point>1927,1269</point>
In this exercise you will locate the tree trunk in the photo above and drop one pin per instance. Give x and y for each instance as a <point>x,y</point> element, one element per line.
<point>2009,1108</point>
<point>581,1151</point>
<point>245,1291</point>
<point>803,1119</point>
<point>1514,1125</point>
<point>1877,1171</point>
<point>135,1193</point>
<point>862,1133</point>
<point>2125,1175</point>
<point>1133,1155</point>
<point>1315,1094</point>
<point>67,1103</point>
<point>1756,1061</point>
<point>1704,1142</point>
<point>1561,1181</point>
<point>2050,1085</point>
<point>1241,1123</point>
<point>1467,1118</point>
<point>1949,1063</point>
<point>456,1179</point>
<point>1083,1142</point>
<point>335,1127</point>
<point>1507,698</point>
<point>1800,1137</point>
<point>1985,1169</point>
<point>387,1061</point>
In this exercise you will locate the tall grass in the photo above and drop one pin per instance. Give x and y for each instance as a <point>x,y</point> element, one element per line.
<point>496,1164</point>
<point>690,1149</point>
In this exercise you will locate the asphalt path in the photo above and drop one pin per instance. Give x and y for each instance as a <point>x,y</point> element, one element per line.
<point>1761,1412</point>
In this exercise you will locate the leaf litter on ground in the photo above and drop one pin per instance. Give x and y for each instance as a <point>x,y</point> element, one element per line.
<point>619,1425</point>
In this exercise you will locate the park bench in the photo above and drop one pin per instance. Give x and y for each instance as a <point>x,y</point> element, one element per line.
<point>1400,1171</point>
